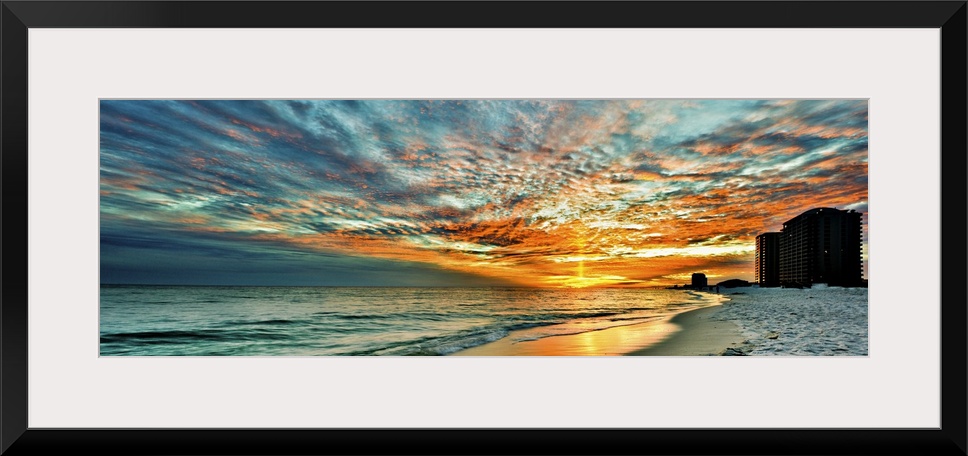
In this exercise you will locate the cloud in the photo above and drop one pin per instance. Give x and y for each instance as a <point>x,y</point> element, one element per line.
<point>498,191</point>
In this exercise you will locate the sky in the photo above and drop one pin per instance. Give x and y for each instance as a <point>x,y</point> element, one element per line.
<point>542,193</point>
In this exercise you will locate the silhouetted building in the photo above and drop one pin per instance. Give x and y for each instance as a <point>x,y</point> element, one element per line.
<point>767,263</point>
<point>821,246</point>
<point>699,281</point>
<point>733,283</point>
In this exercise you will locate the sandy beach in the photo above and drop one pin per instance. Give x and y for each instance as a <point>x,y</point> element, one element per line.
<point>756,321</point>
<point>699,333</point>
<point>811,321</point>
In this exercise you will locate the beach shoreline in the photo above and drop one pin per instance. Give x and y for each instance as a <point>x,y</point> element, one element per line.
<point>687,333</point>
<point>698,334</point>
<point>613,341</point>
<point>748,321</point>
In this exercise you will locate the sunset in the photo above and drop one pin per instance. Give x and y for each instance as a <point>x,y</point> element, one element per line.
<point>483,227</point>
<point>465,193</point>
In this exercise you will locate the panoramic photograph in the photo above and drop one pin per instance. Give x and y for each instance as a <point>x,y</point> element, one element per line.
<point>483,227</point>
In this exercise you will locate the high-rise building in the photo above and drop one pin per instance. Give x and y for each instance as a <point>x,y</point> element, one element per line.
<point>699,281</point>
<point>767,263</point>
<point>821,246</point>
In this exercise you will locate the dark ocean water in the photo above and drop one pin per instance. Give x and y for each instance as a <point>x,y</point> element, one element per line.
<point>308,321</point>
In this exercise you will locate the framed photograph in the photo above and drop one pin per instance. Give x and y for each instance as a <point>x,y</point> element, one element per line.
<point>214,208</point>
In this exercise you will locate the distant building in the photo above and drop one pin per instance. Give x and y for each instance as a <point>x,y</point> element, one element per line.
<point>767,262</point>
<point>733,283</point>
<point>699,281</point>
<point>820,246</point>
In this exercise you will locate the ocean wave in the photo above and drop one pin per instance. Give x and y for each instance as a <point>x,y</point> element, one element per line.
<point>560,317</point>
<point>389,316</point>
<point>639,318</point>
<point>188,337</point>
<point>160,336</point>
<point>567,330</point>
<point>446,345</point>
<point>271,322</point>
<point>363,316</point>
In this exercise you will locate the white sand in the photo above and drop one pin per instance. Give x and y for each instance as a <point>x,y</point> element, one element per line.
<point>811,321</point>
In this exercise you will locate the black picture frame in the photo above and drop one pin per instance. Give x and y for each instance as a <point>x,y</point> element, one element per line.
<point>18,16</point>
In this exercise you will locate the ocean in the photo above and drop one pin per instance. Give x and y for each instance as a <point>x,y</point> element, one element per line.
<point>353,321</point>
